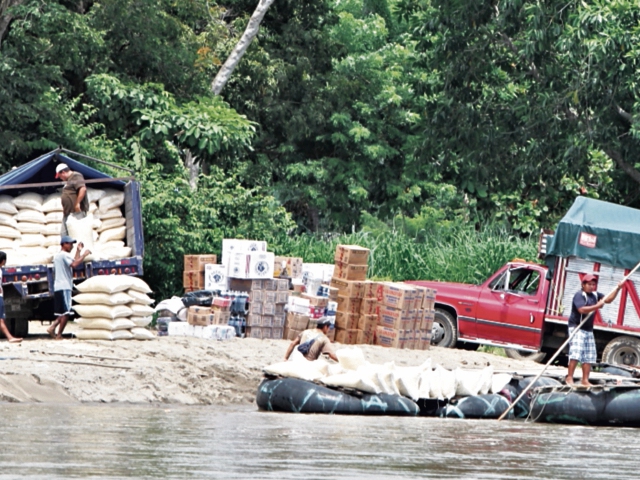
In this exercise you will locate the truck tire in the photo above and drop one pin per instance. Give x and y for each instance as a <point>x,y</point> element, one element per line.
<point>538,357</point>
<point>444,332</point>
<point>622,351</point>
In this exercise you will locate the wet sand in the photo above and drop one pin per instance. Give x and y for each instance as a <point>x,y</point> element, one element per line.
<point>173,370</point>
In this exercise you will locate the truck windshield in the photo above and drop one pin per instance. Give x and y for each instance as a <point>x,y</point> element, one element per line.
<point>521,280</point>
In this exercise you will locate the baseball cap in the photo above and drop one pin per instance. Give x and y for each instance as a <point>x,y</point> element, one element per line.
<point>589,278</point>
<point>61,167</point>
<point>323,321</point>
<point>66,239</point>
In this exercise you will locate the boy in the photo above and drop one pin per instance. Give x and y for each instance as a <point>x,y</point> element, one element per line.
<point>3,326</point>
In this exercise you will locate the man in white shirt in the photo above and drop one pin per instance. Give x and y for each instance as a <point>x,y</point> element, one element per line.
<point>63,265</point>
<point>3,325</point>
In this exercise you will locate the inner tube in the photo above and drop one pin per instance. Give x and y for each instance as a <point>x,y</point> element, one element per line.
<point>491,405</point>
<point>299,396</point>
<point>514,388</point>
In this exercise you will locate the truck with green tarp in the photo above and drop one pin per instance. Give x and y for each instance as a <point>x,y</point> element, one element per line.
<point>525,306</point>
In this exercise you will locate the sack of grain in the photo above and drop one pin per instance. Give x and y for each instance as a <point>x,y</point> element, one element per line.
<point>29,200</point>
<point>93,207</point>
<point>81,230</point>
<point>7,206</point>
<point>141,321</point>
<point>27,227</point>
<point>15,259</point>
<point>118,233</point>
<point>52,203</point>
<point>140,285</point>
<point>54,217</point>
<point>8,232</point>
<point>111,199</point>
<point>103,311</point>
<point>106,284</point>
<point>96,323</point>
<point>139,297</point>
<point>94,194</point>
<point>113,253</point>
<point>52,241</point>
<point>32,240</point>
<point>91,298</point>
<point>142,334</point>
<point>112,244</point>
<point>90,334</point>
<point>52,229</point>
<point>113,213</point>
<point>6,243</point>
<point>8,220</point>
<point>111,223</point>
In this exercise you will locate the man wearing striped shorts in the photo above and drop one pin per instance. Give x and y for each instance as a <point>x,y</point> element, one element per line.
<point>582,347</point>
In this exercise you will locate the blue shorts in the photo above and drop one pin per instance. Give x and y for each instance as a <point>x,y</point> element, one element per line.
<point>62,303</point>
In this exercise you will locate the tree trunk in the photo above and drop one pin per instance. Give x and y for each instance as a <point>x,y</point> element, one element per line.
<point>5,18</point>
<point>224,74</point>
<point>194,169</point>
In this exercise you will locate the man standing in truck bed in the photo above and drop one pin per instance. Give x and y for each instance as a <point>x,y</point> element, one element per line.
<point>74,195</point>
<point>582,347</point>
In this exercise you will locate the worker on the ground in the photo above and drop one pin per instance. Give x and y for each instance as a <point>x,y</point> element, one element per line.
<point>3,326</point>
<point>582,347</point>
<point>313,342</point>
<point>74,195</point>
<point>63,265</point>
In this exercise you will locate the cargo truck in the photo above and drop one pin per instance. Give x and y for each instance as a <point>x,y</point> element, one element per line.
<point>28,289</point>
<point>524,306</point>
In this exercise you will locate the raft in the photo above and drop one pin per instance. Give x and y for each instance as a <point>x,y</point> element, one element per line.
<point>487,406</point>
<point>299,396</point>
<point>617,405</point>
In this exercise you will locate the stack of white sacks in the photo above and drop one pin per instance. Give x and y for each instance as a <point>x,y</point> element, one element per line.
<point>113,307</point>
<point>30,227</point>
<point>354,372</point>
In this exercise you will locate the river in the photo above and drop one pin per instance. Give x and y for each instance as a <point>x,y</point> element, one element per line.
<point>238,442</point>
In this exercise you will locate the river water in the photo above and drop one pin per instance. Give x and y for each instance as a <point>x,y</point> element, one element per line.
<point>238,442</point>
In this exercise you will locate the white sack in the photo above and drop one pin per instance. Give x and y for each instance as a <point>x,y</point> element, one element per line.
<point>142,334</point>
<point>350,358</point>
<point>32,240</point>
<point>353,380</point>
<point>140,285</point>
<point>94,194</point>
<point>31,216</point>
<point>52,229</point>
<point>141,321</point>
<point>81,230</point>
<point>8,232</point>
<point>499,381</point>
<point>7,206</point>
<point>6,243</point>
<point>27,227</point>
<point>106,284</point>
<point>53,203</point>
<point>443,383</point>
<point>92,298</point>
<point>54,217</point>
<point>118,233</point>
<point>111,223</point>
<point>109,214</point>
<point>111,199</point>
<point>139,297</point>
<point>302,369</point>
<point>8,220</point>
<point>468,382</point>
<point>103,335</point>
<point>141,310</point>
<point>97,323</point>
<point>29,200</point>
<point>103,311</point>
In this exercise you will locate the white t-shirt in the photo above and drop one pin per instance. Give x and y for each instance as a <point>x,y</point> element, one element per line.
<point>62,273</point>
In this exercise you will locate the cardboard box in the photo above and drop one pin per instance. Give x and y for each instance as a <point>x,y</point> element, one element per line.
<point>332,335</point>
<point>196,263</point>
<point>315,300</point>
<point>395,318</point>
<point>347,288</point>
<point>349,304</point>
<point>364,338</point>
<point>296,321</point>
<point>396,295</point>
<point>429,300</point>
<point>350,272</point>
<point>278,320</point>
<point>193,280</point>
<point>268,296</point>
<point>234,245</point>
<point>267,321</point>
<point>268,309</point>
<point>351,254</point>
<point>290,333</point>
<point>368,323</point>
<point>277,333</point>
<point>316,312</point>
<point>254,320</point>
<point>347,321</point>
<point>215,277</point>
<point>370,289</point>
<point>267,332</point>
<point>282,297</point>
<point>387,337</point>
<point>369,306</point>
<point>253,332</point>
<point>243,285</point>
<point>289,267</point>
<point>282,285</point>
<point>346,337</point>
<point>220,317</point>
<point>408,341</point>
<point>255,308</point>
<point>280,308</point>
<point>255,296</point>
<point>334,293</point>
<point>251,265</point>
<point>270,284</point>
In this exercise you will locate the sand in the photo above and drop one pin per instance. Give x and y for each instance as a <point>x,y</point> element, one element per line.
<point>173,370</point>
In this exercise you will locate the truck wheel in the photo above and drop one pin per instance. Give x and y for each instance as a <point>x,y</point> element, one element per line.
<point>19,327</point>
<point>524,355</point>
<point>622,351</point>
<point>444,332</point>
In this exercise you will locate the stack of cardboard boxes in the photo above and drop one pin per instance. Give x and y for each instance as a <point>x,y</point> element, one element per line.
<point>194,267</point>
<point>266,307</point>
<point>349,274</point>
<point>287,267</point>
<point>217,314</point>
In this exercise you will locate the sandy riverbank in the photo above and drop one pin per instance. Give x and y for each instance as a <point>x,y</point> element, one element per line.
<point>179,370</point>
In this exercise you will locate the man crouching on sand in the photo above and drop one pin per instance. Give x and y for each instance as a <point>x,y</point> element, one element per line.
<point>3,326</point>
<point>63,265</point>
<point>313,342</point>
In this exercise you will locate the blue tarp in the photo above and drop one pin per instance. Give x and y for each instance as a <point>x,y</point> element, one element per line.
<point>599,232</point>
<point>43,170</point>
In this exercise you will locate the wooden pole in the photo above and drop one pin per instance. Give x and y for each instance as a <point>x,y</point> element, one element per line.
<point>555,355</point>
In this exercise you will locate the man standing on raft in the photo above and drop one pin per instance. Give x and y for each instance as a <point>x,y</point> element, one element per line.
<point>582,347</point>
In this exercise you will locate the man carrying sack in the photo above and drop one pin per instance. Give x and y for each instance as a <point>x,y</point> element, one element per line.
<point>74,195</point>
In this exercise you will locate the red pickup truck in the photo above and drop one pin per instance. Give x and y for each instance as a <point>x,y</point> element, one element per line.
<point>524,307</point>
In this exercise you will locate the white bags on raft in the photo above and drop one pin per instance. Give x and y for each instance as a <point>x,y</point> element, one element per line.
<point>113,307</point>
<point>423,381</point>
<point>30,227</point>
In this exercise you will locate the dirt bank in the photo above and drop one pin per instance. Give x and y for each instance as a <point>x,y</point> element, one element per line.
<point>181,370</point>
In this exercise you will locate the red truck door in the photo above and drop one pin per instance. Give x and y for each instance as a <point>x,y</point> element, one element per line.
<point>511,307</point>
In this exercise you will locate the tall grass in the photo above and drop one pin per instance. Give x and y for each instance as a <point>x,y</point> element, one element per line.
<point>464,255</point>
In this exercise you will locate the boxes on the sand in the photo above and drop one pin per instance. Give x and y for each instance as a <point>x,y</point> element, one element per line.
<point>351,255</point>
